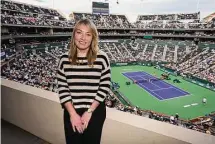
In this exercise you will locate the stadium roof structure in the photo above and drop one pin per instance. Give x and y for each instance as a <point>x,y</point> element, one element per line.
<point>209,17</point>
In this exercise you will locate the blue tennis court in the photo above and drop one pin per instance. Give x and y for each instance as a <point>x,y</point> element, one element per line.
<point>158,88</point>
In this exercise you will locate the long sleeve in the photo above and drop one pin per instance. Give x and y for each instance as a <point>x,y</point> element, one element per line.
<point>104,84</point>
<point>63,88</point>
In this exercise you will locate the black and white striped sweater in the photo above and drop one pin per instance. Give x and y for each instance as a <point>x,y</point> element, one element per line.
<point>82,84</point>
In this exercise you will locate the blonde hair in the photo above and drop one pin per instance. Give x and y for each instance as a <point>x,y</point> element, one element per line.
<point>93,50</point>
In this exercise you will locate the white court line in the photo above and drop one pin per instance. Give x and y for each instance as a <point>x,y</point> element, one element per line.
<point>154,84</point>
<point>136,76</point>
<point>127,69</point>
<point>181,90</point>
<point>128,76</point>
<point>153,77</point>
<point>162,89</point>
<point>148,90</point>
<point>159,87</point>
<point>135,71</point>
<point>151,91</point>
<point>130,72</point>
<point>182,96</point>
<point>170,85</point>
<point>142,78</point>
<point>145,86</point>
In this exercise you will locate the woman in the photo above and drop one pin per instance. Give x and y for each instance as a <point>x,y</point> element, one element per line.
<point>83,83</point>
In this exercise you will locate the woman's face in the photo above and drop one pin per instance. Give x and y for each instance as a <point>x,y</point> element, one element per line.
<point>83,37</point>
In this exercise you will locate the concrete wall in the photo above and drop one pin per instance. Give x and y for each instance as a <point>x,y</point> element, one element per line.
<point>39,112</point>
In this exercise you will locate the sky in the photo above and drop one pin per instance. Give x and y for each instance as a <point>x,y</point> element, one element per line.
<point>131,8</point>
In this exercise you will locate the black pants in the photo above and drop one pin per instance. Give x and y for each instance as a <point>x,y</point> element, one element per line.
<point>91,135</point>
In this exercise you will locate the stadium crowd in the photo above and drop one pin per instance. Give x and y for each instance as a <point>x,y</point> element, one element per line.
<point>38,69</point>
<point>193,16</point>
<point>30,70</point>
<point>199,62</point>
<point>183,56</point>
<point>24,14</point>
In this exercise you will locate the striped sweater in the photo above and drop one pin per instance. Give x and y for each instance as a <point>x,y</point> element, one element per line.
<point>82,84</point>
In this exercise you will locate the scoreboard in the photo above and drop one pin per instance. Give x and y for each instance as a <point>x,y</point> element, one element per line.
<point>100,8</point>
